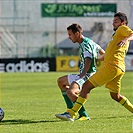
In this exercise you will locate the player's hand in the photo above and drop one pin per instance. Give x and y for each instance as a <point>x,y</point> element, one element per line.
<point>122,42</point>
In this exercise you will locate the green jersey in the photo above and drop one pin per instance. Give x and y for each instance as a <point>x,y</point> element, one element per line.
<point>88,49</point>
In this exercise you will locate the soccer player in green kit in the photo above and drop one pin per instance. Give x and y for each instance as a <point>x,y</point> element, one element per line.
<point>89,51</point>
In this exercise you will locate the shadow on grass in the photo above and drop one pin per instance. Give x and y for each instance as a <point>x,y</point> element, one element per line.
<point>113,117</point>
<point>20,121</point>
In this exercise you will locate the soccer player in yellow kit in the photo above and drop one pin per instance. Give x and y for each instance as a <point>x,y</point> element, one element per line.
<point>112,71</point>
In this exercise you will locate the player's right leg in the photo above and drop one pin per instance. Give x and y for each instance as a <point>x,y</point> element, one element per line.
<point>63,84</point>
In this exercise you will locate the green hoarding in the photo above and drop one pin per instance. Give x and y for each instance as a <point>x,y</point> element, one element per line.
<point>77,10</point>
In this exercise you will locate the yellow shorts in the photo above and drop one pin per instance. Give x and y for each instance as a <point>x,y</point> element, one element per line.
<point>110,76</point>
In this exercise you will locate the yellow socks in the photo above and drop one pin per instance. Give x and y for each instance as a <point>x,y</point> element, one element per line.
<point>77,106</point>
<point>126,103</point>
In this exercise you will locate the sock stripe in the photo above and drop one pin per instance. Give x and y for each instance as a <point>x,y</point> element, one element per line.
<point>79,103</point>
<point>124,102</point>
<point>73,110</point>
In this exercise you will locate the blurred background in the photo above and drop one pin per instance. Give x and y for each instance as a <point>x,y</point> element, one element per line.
<point>37,28</point>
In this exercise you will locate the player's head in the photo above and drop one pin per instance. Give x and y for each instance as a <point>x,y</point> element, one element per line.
<point>75,28</point>
<point>119,19</point>
<point>74,32</point>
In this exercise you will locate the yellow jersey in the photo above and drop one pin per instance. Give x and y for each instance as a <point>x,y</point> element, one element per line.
<point>115,54</point>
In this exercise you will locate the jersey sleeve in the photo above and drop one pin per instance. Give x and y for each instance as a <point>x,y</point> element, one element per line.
<point>98,47</point>
<point>124,31</point>
<point>88,53</point>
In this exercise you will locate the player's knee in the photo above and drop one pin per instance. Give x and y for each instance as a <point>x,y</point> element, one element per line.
<point>59,80</point>
<point>60,83</point>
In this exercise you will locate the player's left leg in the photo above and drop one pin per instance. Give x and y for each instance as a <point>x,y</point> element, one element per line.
<point>122,100</point>
<point>73,93</point>
<point>114,87</point>
<point>70,115</point>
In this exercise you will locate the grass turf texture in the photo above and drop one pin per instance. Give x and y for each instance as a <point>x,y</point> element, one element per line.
<point>31,100</point>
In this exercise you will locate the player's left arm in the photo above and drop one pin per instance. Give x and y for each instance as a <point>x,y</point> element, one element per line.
<point>101,53</point>
<point>124,41</point>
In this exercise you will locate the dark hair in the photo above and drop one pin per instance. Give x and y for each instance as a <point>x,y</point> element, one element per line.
<point>75,28</point>
<point>122,17</point>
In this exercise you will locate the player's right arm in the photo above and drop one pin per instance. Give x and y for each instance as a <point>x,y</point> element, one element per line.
<point>86,66</point>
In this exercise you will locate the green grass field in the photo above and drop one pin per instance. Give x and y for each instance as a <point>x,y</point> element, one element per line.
<point>31,100</point>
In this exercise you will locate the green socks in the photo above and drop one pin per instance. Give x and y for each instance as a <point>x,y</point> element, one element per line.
<point>70,104</point>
